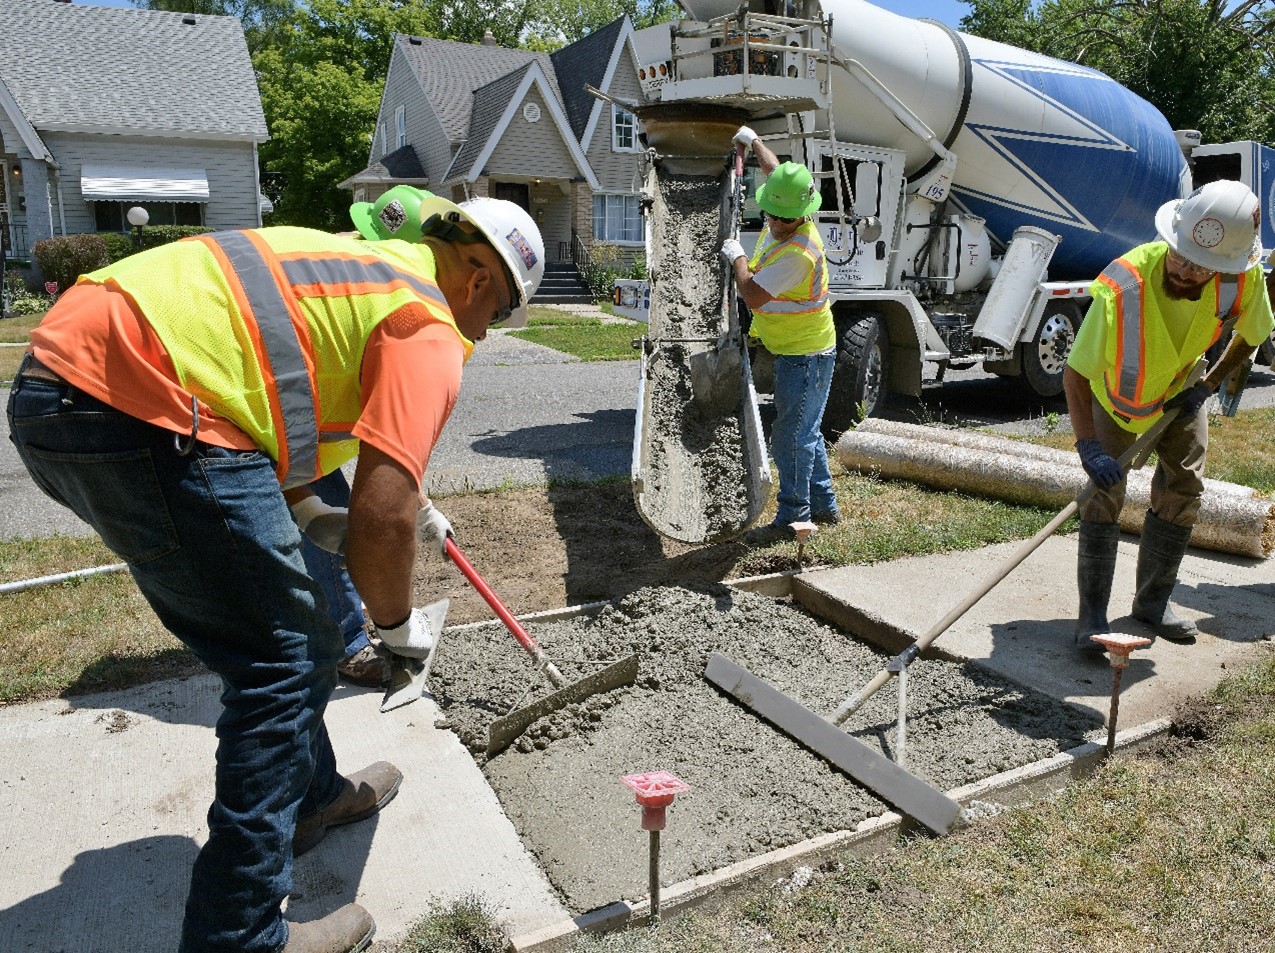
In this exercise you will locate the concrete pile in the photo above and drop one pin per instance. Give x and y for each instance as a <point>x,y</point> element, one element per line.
<point>1232,519</point>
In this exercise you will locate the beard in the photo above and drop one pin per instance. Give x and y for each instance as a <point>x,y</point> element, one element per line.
<point>1178,290</point>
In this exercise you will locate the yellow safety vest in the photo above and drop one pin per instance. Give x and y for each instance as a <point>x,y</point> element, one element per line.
<point>799,321</point>
<point>1148,368</point>
<point>268,327</point>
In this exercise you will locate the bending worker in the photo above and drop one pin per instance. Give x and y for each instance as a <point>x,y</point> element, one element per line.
<point>295,350</point>
<point>785,283</point>
<point>1155,311</point>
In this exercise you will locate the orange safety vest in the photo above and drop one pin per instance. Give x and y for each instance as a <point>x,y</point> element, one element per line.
<point>773,322</point>
<point>1148,368</point>
<point>268,328</point>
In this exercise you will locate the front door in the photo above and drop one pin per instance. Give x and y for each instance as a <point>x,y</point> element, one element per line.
<point>517,192</point>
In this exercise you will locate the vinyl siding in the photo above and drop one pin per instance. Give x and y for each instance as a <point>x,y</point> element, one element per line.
<point>232,185</point>
<point>615,170</point>
<point>424,130</point>
<point>530,149</point>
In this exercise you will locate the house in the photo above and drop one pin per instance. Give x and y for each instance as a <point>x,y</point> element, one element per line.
<point>467,119</point>
<point>102,109</point>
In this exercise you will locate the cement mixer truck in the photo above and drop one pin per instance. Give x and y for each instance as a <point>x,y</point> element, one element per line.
<point>971,190</point>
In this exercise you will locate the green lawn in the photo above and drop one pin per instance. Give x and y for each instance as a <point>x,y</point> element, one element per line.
<point>589,339</point>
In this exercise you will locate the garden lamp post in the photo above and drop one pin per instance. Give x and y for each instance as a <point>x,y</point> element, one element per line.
<point>137,217</point>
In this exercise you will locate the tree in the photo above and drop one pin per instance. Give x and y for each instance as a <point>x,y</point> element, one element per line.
<point>1205,64</point>
<point>260,18</point>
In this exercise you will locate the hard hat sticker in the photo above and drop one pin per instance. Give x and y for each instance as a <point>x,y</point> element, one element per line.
<point>393,216</point>
<point>522,247</point>
<point>1208,232</point>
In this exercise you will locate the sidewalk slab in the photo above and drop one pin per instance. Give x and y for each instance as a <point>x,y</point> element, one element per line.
<point>1024,627</point>
<point>105,799</point>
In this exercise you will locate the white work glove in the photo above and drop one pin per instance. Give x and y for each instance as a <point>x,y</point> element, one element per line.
<point>433,529</point>
<point>744,137</point>
<point>416,637</point>
<point>325,525</point>
<point>732,249</point>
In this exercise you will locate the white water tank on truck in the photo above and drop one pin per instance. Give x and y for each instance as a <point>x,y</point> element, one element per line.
<point>1038,141</point>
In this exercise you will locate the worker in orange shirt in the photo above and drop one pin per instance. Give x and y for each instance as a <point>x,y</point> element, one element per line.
<point>179,401</point>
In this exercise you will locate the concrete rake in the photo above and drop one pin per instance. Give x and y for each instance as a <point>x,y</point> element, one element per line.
<point>505,730</point>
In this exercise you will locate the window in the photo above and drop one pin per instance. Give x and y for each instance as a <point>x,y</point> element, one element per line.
<point>113,216</point>
<point>385,142</point>
<point>400,128</point>
<point>623,131</point>
<point>617,218</point>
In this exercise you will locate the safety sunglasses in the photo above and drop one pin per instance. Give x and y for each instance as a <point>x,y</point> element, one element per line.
<point>1186,266</point>
<point>780,218</point>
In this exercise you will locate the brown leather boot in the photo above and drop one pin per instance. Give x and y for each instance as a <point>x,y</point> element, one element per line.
<point>369,667</point>
<point>347,930</point>
<point>362,795</point>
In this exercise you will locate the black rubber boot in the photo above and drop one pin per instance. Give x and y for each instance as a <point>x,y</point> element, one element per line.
<point>1159,556</point>
<point>1095,568</point>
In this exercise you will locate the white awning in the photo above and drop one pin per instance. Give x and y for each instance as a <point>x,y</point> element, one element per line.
<point>119,183</point>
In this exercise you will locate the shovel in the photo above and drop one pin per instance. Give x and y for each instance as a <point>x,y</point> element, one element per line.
<point>715,373</point>
<point>503,731</point>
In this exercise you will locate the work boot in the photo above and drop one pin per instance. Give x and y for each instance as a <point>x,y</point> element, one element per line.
<point>347,930</point>
<point>369,667</point>
<point>1159,556</point>
<point>362,795</point>
<point>770,534</point>
<point>1095,568</point>
<point>829,518</point>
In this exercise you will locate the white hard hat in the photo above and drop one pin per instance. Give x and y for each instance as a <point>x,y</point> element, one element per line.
<point>1215,227</point>
<point>511,231</point>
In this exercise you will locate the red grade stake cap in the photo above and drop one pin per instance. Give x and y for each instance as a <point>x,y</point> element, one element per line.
<point>655,791</point>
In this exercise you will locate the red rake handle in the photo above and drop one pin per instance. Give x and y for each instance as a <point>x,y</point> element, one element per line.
<point>507,617</point>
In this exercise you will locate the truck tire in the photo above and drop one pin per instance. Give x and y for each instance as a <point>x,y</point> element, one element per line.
<point>1044,357</point>
<point>1266,352</point>
<point>860,374</point>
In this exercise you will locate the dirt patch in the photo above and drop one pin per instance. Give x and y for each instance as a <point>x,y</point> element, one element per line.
<point>754,789</point>
<point>567,545</point>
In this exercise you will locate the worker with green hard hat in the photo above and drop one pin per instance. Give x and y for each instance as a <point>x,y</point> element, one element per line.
<point>785,283</point>
<point>396,214</point>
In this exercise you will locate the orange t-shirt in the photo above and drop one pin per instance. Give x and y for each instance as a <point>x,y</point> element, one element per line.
<point>95,339</point>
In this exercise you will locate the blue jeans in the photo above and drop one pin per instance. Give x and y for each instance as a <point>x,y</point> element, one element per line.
<point>801,391</point>
<point>328,570</point>
<point>213,548</point>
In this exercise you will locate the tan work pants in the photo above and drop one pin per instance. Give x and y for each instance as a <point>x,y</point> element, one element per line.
<point>1178,482</point>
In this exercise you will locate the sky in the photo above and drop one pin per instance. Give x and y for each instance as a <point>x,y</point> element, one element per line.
<point>948,11</point>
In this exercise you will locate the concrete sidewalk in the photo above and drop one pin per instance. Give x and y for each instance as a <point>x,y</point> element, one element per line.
<point>104,796</point>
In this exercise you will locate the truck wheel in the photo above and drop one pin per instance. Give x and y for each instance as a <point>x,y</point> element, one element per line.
<point>1045,356</point>
<point>858,379</point>
<point>1266,352</point>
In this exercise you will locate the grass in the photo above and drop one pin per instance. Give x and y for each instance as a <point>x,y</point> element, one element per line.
<point>1172,849</point>
<point>92,634</point>
<point>589,339</point>
<point>14,331</point>
<point>466,925</point>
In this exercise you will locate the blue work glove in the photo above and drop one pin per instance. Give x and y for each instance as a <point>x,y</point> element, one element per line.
<point>1101,466</point>
<point>1189,401</point>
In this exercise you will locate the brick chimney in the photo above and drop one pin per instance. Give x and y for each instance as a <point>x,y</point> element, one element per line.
<point>489,38</point>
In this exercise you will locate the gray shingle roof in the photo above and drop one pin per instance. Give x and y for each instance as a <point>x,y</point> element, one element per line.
<point>401,165</point>
<point>584,61</point>
<point>449,73</point>
<point>74,65</point>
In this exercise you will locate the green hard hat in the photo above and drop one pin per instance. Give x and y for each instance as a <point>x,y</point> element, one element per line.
<point>789,192</point>
<point>396,214</point>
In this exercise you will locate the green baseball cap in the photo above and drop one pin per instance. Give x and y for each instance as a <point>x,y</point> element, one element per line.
<point>396,214</point>
<point>789,192</point>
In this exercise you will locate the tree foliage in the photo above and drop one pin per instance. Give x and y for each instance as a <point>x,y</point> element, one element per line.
<point>1205,64</point>
<point>321,67</point>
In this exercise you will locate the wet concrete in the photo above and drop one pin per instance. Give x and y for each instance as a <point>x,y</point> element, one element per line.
<point>753,789</point>
<point>695,480</point>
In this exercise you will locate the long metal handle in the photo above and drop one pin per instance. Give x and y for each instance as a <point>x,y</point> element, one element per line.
<point>855,701</point>
<point>512,624</point>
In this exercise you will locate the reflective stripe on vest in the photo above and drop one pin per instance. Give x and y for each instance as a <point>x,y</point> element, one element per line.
<point>1126,285</point>
<point>286,374</point>
<point>811,299</point>
<point>292,392</point>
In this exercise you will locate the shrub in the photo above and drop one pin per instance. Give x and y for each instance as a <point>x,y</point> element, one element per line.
<point>118,246</point>
<point>602,268</point>
<point>29,303</point>
<point>155,235</point>
<point>64,258</point>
